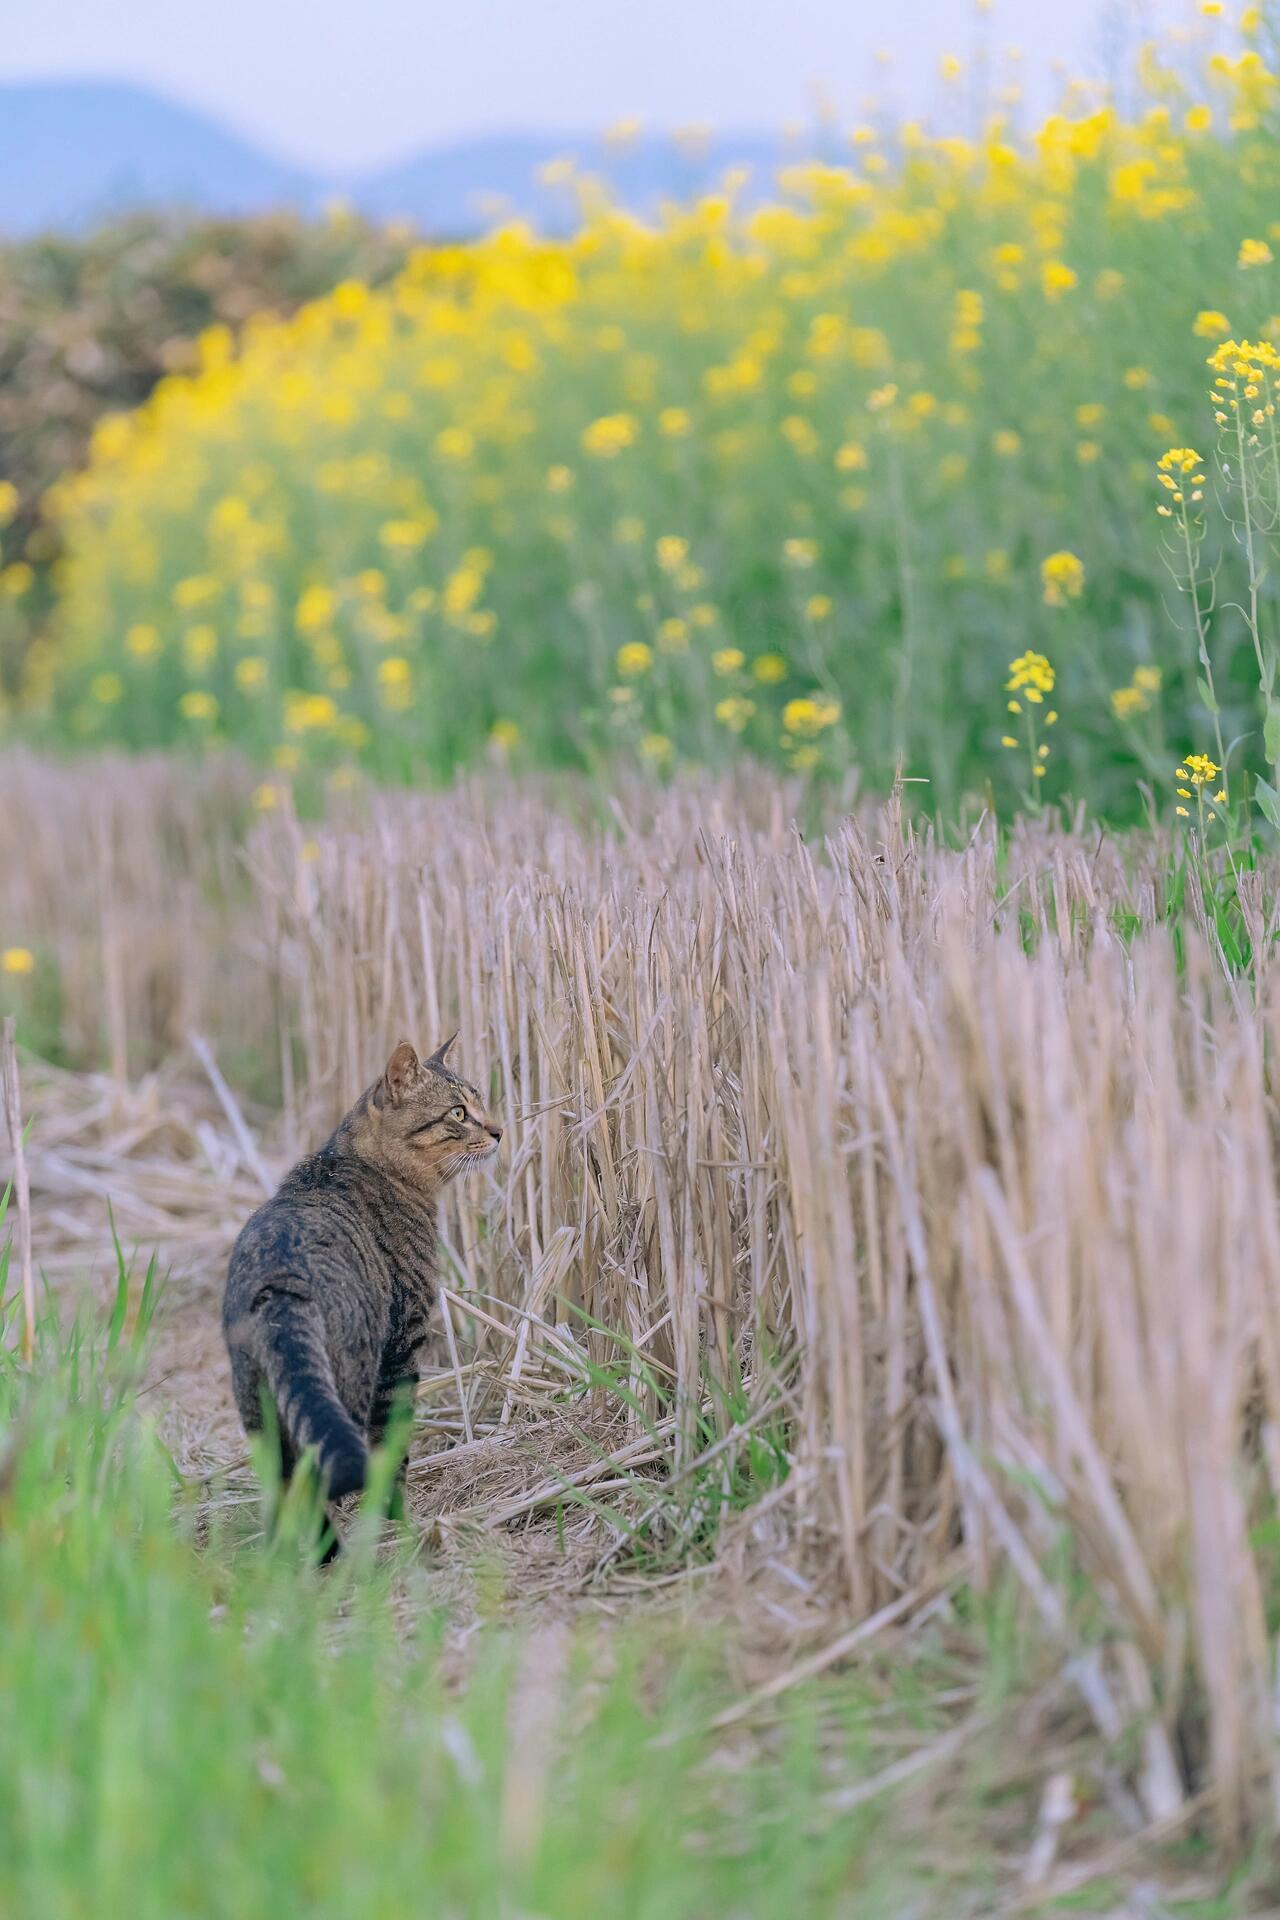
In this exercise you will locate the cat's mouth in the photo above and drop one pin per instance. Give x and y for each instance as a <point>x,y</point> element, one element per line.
<point>476,1156</point>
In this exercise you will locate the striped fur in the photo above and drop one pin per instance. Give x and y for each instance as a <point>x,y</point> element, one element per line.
<point>331,1282</point>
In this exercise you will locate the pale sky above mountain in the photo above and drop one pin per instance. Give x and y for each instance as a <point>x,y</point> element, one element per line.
<point>338,85</point>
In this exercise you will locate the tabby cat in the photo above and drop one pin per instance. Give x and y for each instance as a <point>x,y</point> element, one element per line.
<point>332,1281</point>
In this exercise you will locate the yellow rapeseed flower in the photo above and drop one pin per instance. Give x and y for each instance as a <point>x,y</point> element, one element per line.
<point>769,669</point>
<point>199,706</point>
<point>395,684</point>
<point>657,749</point>
<point>1057,278</point>
<point>1062,576</point>
<point>406,536</point>
<point>315,609</point>
<point>735,712</point>
<point>800,434</point>
<point>1210,324</point>
<point>1032,676</point>
<point>196,590</point>
<point>309,712</point>
<point>455,443</point>
<point>728,659</point>
<point>250,674</point>
<point>462,589</point>
<point>810,715</point>
<point>1254,253</point>
<point>633,659</point>
<point>199,646</point>
<point>142,640</point>
<point>607,437</point>
<point>1178,460</point>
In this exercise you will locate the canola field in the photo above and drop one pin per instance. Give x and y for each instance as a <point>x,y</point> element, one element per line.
<point>921,464</point>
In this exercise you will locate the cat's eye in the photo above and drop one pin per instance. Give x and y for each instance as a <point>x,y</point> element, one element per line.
<point>456,1113</point>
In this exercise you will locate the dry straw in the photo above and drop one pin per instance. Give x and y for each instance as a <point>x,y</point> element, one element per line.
<point>942,1159</point>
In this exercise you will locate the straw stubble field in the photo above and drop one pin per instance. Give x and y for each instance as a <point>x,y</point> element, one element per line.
<point>881,1223</point>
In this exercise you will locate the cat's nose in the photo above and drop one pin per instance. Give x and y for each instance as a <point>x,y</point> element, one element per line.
<point>495,1130</point>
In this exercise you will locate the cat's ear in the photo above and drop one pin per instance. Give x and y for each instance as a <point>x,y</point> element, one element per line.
<point>404,1070</point>
<point>441,1054</point>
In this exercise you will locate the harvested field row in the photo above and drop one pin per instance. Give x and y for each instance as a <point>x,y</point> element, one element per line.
<point>852,1177</point>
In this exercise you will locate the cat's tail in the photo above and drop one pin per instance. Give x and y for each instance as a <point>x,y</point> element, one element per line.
<point>293,1356</point>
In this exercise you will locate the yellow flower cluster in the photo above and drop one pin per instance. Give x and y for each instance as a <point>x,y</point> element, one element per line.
<point>1031,677</point>
<point>1246,378</point>
<point>810,716</point>
<point>1062,578</point>
<point>1196,773</point>
<point>1140,694</point>
<point>1176,472</point>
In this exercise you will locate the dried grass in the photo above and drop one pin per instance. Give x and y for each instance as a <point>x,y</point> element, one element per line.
<point>900,1148</point>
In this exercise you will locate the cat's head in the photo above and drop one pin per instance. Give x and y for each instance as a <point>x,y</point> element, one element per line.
<point>423,1121</point>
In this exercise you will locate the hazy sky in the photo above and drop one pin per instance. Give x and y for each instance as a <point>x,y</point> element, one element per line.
<point>348,83</point>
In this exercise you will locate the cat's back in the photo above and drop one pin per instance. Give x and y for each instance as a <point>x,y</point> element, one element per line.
<point>312,1223</point>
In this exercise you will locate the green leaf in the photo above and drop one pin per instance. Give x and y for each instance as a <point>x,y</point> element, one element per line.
<point>1271,734</point>
<point>1206,694</point>
<point>1269,800</point>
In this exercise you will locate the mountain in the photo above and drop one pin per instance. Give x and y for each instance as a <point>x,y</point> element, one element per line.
<point>75,152</point>
<point>455,188</point>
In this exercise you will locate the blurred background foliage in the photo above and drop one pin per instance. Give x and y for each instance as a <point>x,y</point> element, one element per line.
<point>90,321</point>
